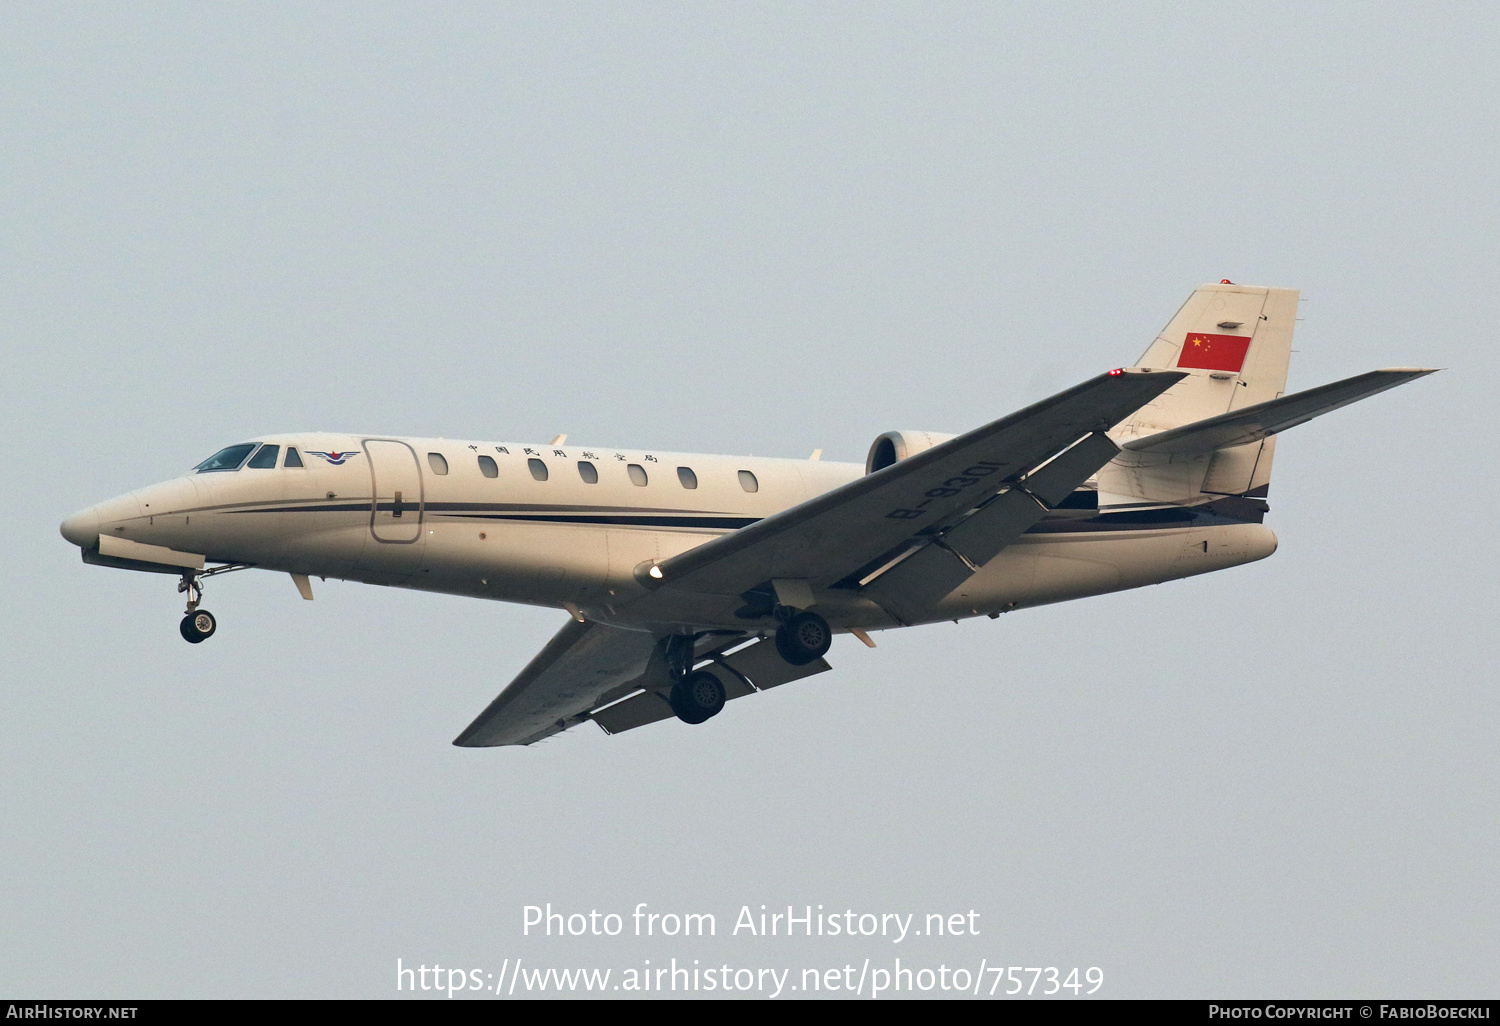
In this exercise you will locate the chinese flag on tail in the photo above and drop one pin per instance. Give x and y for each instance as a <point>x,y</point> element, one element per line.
<point>1214,352</point>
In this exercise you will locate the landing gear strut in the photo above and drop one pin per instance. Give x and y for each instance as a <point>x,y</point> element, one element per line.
<point>803,638</point>
<point>197,624</point>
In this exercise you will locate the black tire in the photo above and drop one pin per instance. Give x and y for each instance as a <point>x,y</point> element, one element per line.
<point>198,627</point>
<point>698,697</point>
<point>674,699</point>
<point>803,638</point>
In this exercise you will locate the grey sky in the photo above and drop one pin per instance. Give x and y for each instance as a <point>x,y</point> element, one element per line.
<point>746,228</point>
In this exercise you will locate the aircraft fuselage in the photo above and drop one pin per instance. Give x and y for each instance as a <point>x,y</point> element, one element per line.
<point>571,526</point>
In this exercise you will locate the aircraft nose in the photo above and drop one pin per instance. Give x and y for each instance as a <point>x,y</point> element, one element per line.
<point>82,528</point>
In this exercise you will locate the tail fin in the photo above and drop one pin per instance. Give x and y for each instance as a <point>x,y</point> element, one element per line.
<point>1235,342</point>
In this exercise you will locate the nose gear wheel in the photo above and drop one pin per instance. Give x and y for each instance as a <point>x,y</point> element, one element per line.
<point>198,626</point>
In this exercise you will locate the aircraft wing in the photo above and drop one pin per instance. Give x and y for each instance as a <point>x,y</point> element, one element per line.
<point>574,672</point>
<point>844,534</point>
<point>978,490</point>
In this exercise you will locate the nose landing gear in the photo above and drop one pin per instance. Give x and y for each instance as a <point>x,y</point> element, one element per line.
<point>197,624</point>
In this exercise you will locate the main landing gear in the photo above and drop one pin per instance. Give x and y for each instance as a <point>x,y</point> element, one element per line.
<point>803,637</point>
<point>698,697</point>
<point>197,624</point>
<point>695,696</point>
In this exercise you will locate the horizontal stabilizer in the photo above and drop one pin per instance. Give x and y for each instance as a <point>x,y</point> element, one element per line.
<point>1254,423</point>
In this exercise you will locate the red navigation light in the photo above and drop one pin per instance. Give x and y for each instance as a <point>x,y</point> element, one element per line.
<point>1225,281</point>
<point>1117,372</point>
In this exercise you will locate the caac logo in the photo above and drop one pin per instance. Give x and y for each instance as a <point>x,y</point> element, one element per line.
<point>334,457</point>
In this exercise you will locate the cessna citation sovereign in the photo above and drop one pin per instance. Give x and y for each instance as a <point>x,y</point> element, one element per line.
<point>690,580</point>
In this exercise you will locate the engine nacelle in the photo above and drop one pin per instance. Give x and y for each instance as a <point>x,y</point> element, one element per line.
<point>897,445</point>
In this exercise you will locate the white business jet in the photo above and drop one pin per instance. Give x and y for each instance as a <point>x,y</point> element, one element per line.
<point>691,579</point>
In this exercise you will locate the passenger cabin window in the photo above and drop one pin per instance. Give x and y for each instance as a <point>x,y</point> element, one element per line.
<point>538,469</point>
<point>226,459</point>
<point>438,462</point>
<point>687,477</point>
<point>637,474</point>
<point>748,482</point>
<point>265,459</point>
<point>588,472</point>
<point>293,458</point>
<point>487,466</point>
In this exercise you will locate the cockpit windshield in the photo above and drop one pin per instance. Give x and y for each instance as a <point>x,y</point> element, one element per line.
<point>226,459</point>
